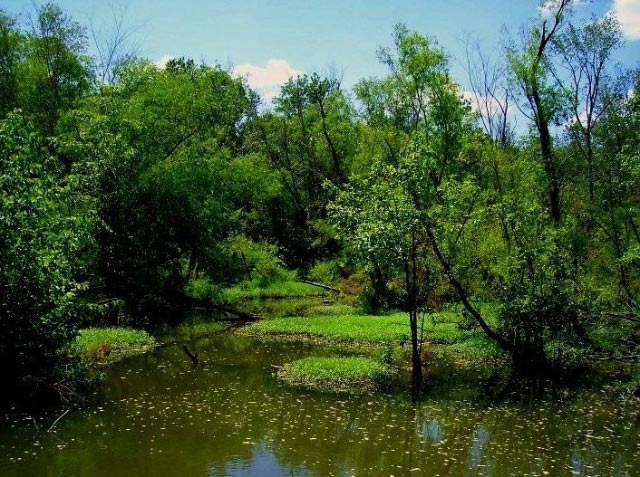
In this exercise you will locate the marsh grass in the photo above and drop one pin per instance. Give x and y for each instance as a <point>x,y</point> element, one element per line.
<point>101,346</point>
<point>349,374</point>
<point>286,285</point>
<point>386,338</point>
<point>439,328</point>
<point>341,328</point>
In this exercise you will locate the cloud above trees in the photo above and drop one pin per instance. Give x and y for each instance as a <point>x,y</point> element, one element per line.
<point>267,80</point>
<point>628,14</point>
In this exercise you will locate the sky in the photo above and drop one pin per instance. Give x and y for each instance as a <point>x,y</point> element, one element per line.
<point>270,41</point>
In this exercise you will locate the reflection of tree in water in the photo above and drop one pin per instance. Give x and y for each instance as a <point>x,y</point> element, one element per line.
<point>431,430</point>
<point>577,463</point>
<point>262,462</point>
<point>229,416</point>
<point>480,441</point>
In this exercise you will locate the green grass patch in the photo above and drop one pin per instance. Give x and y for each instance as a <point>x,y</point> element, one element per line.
<point>439,328</point>
<point>107,345</point>
<point>283,286</point>
<point>350,329</point>
<point>336,309</point>
<point>352,374</point>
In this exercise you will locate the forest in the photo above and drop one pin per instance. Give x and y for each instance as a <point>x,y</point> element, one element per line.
<point>129,191</point>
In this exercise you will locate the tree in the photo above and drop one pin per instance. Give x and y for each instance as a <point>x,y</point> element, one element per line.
<point>394,214</point>
<point>11,41</point>
<point>491,93</point>
<point>309,138</point>
<point>381,219</point>
<point>531,69</point>
<point>46,240</point>
<point>55,72</point>
<point>163,149</point>
<point>584,52</point>
<point>113,46</point>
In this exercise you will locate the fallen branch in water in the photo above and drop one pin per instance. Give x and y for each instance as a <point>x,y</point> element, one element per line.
<point>320,285</point>
<point>194,357</point>
<point>56,421</point>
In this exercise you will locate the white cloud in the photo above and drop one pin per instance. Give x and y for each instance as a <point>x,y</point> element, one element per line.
<point>628,14</point>
<point>162,62</point>
<point>276,73</point>
<point>484,104</point>
<point>267,80</point>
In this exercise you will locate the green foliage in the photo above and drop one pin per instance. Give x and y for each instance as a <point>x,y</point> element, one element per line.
<point>55,70</point>
<point>170,181</point>
<point>260,259</point>
<point>46,240</point>
<point>107,345</point>
<point>162,149</point>
<point>335,374</point>
<point>309,138</point>
<point>325,271</point>
<point>11,40</point>
<point>203,289</point>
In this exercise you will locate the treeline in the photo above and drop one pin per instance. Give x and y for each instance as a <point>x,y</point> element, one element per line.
<point>120,179</point>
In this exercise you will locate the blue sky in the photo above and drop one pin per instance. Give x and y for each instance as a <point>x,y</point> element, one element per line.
<point>274,39</point>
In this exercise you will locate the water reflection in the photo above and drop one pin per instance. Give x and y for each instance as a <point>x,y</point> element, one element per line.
<point>229,417</point>
<point>480,441</point>
<point>431,430</point>
<point>262,462</point>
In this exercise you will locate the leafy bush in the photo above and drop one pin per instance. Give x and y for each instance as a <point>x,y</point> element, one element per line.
<point>203,289</point>
<point>326,272</point>
<point>256,259</point>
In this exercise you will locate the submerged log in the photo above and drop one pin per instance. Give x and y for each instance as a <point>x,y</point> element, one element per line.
<point>193,357</point>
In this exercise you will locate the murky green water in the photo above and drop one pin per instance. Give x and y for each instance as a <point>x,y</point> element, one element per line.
<point>158,416</point>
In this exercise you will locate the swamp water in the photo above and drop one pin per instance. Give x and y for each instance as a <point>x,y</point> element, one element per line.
<point>156,415</point>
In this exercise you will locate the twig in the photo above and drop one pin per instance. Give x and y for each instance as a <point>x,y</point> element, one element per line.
<point>56,421</point>
<point>320,285</point>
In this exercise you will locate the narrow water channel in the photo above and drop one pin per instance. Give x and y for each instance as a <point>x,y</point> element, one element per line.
<point>156,415</point>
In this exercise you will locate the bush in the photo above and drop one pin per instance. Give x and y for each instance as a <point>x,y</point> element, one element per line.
<point>326,272</point>
<point>203,289</point>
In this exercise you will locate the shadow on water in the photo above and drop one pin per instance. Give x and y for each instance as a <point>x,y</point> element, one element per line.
<point>159,415</point>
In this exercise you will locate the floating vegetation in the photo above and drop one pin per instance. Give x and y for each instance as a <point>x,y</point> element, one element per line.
<point>351,374</point>
<point>230,417</point>
<point>103,346</point>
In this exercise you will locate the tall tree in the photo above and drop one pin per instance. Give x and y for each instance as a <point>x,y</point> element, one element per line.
<point>11,42</point>
<point>531,66</point>
<point>56,71</point>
